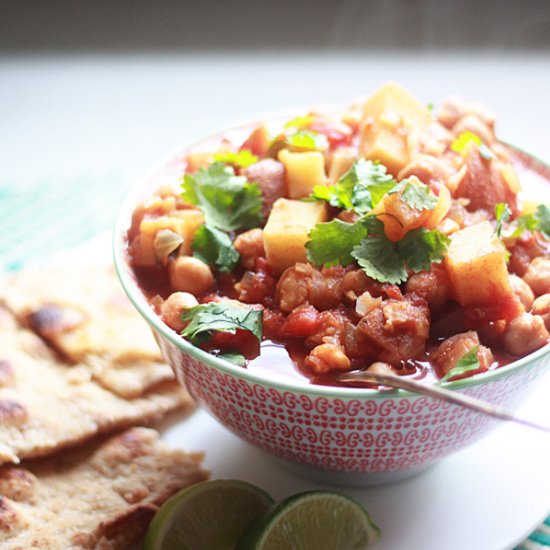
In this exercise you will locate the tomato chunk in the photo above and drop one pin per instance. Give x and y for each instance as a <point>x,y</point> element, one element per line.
<point>302,322</point>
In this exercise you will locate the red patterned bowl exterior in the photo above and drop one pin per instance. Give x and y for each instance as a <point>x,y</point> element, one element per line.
<point>382,433</point>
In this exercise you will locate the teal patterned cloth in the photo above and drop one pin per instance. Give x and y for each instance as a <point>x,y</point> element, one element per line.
<point>43,219</point>
<point>539,539</point>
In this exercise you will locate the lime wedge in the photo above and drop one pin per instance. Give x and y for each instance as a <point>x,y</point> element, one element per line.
<point>211,514</point>
<point>314,519</point>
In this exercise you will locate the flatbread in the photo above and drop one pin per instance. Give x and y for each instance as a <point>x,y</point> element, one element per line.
<point>85,316</point>
<point>45,406</point>
<point>103,496</point>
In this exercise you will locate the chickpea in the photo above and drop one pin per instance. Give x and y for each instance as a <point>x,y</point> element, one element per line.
<point>522,290</point>
<point>327,358</point>
<point>250,245</point>
<point>525,334</point>
<point>541,307</point>
<point>172,308</point>
<point>189,274</point>
<point>538,275</point>
<point>433,286</point>
<point>381,368</point>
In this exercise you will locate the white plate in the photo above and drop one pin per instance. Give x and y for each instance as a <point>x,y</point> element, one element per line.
<point>489,496</point>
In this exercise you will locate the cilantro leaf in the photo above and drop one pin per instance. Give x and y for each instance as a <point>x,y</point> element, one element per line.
<point>417,196</point>
<point>542,216</point>
<point>463,140</point>
<point>228,201</point>
<point>214,247</point>
<point>212,317</point>
<point>379,259</point>
<point>539,220</point>
<point>307,140</point>
<point>420,248</point>
<point>300,122</point>
<point>387,262</point>
<point>361,188</point>
<point>330,194</point>
<point>331,243</point>
<point>242,158</point>
<point>502,215</point>
<point>369,181</point>
<point>526,222</point>
<point>373,225</point>
<point>233,357</point>
<point>460,144</point>
<point>467,363</point>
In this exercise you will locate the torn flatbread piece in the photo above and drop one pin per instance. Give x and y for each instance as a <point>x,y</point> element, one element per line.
<point>102,496</point>
<point>45,406</point>
<point>86,317</point>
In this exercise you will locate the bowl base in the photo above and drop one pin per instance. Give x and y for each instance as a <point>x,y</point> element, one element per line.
<point>348,479</point>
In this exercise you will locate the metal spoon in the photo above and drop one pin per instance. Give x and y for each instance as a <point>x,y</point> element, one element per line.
<point>472,403</point>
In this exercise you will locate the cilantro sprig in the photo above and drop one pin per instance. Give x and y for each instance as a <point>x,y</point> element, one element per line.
<point>360,189</point>
<point>229,202</point>
<point>297,138</point>
<point>242,158</point>
<point>207,319</point>
<point>306,140</point>
<point>502,216</point>
<point>420,248</point>
<point>364,241</point>
<point>539,220</point>
<point>379,257</point>
<point>214,247</point>
<point>469,362</point>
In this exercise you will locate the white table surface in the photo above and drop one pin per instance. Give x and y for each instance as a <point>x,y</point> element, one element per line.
<point>86,116</point>
<point>89,115</point>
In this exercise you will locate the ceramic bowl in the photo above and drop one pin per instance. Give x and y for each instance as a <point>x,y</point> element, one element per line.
<point>333,434</point>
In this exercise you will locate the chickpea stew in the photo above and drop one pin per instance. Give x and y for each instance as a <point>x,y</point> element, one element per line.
<point>389,237</point>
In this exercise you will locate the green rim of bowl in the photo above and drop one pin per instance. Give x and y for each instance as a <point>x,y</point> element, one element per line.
<point>138,299</point>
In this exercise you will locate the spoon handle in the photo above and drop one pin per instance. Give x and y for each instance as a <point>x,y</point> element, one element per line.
<point>472,403</point>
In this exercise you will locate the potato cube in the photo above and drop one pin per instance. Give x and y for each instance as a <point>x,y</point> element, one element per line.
<point>304,170</point>
<point>342,160</point>
<point>388,116</point>
<point>190,220</point>
<point>198,160</point>
<point>183,222</point>
<point>476,265</point>
<point>286,232</point>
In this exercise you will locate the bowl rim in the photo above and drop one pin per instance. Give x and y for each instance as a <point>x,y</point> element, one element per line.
<point>297,386</point>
